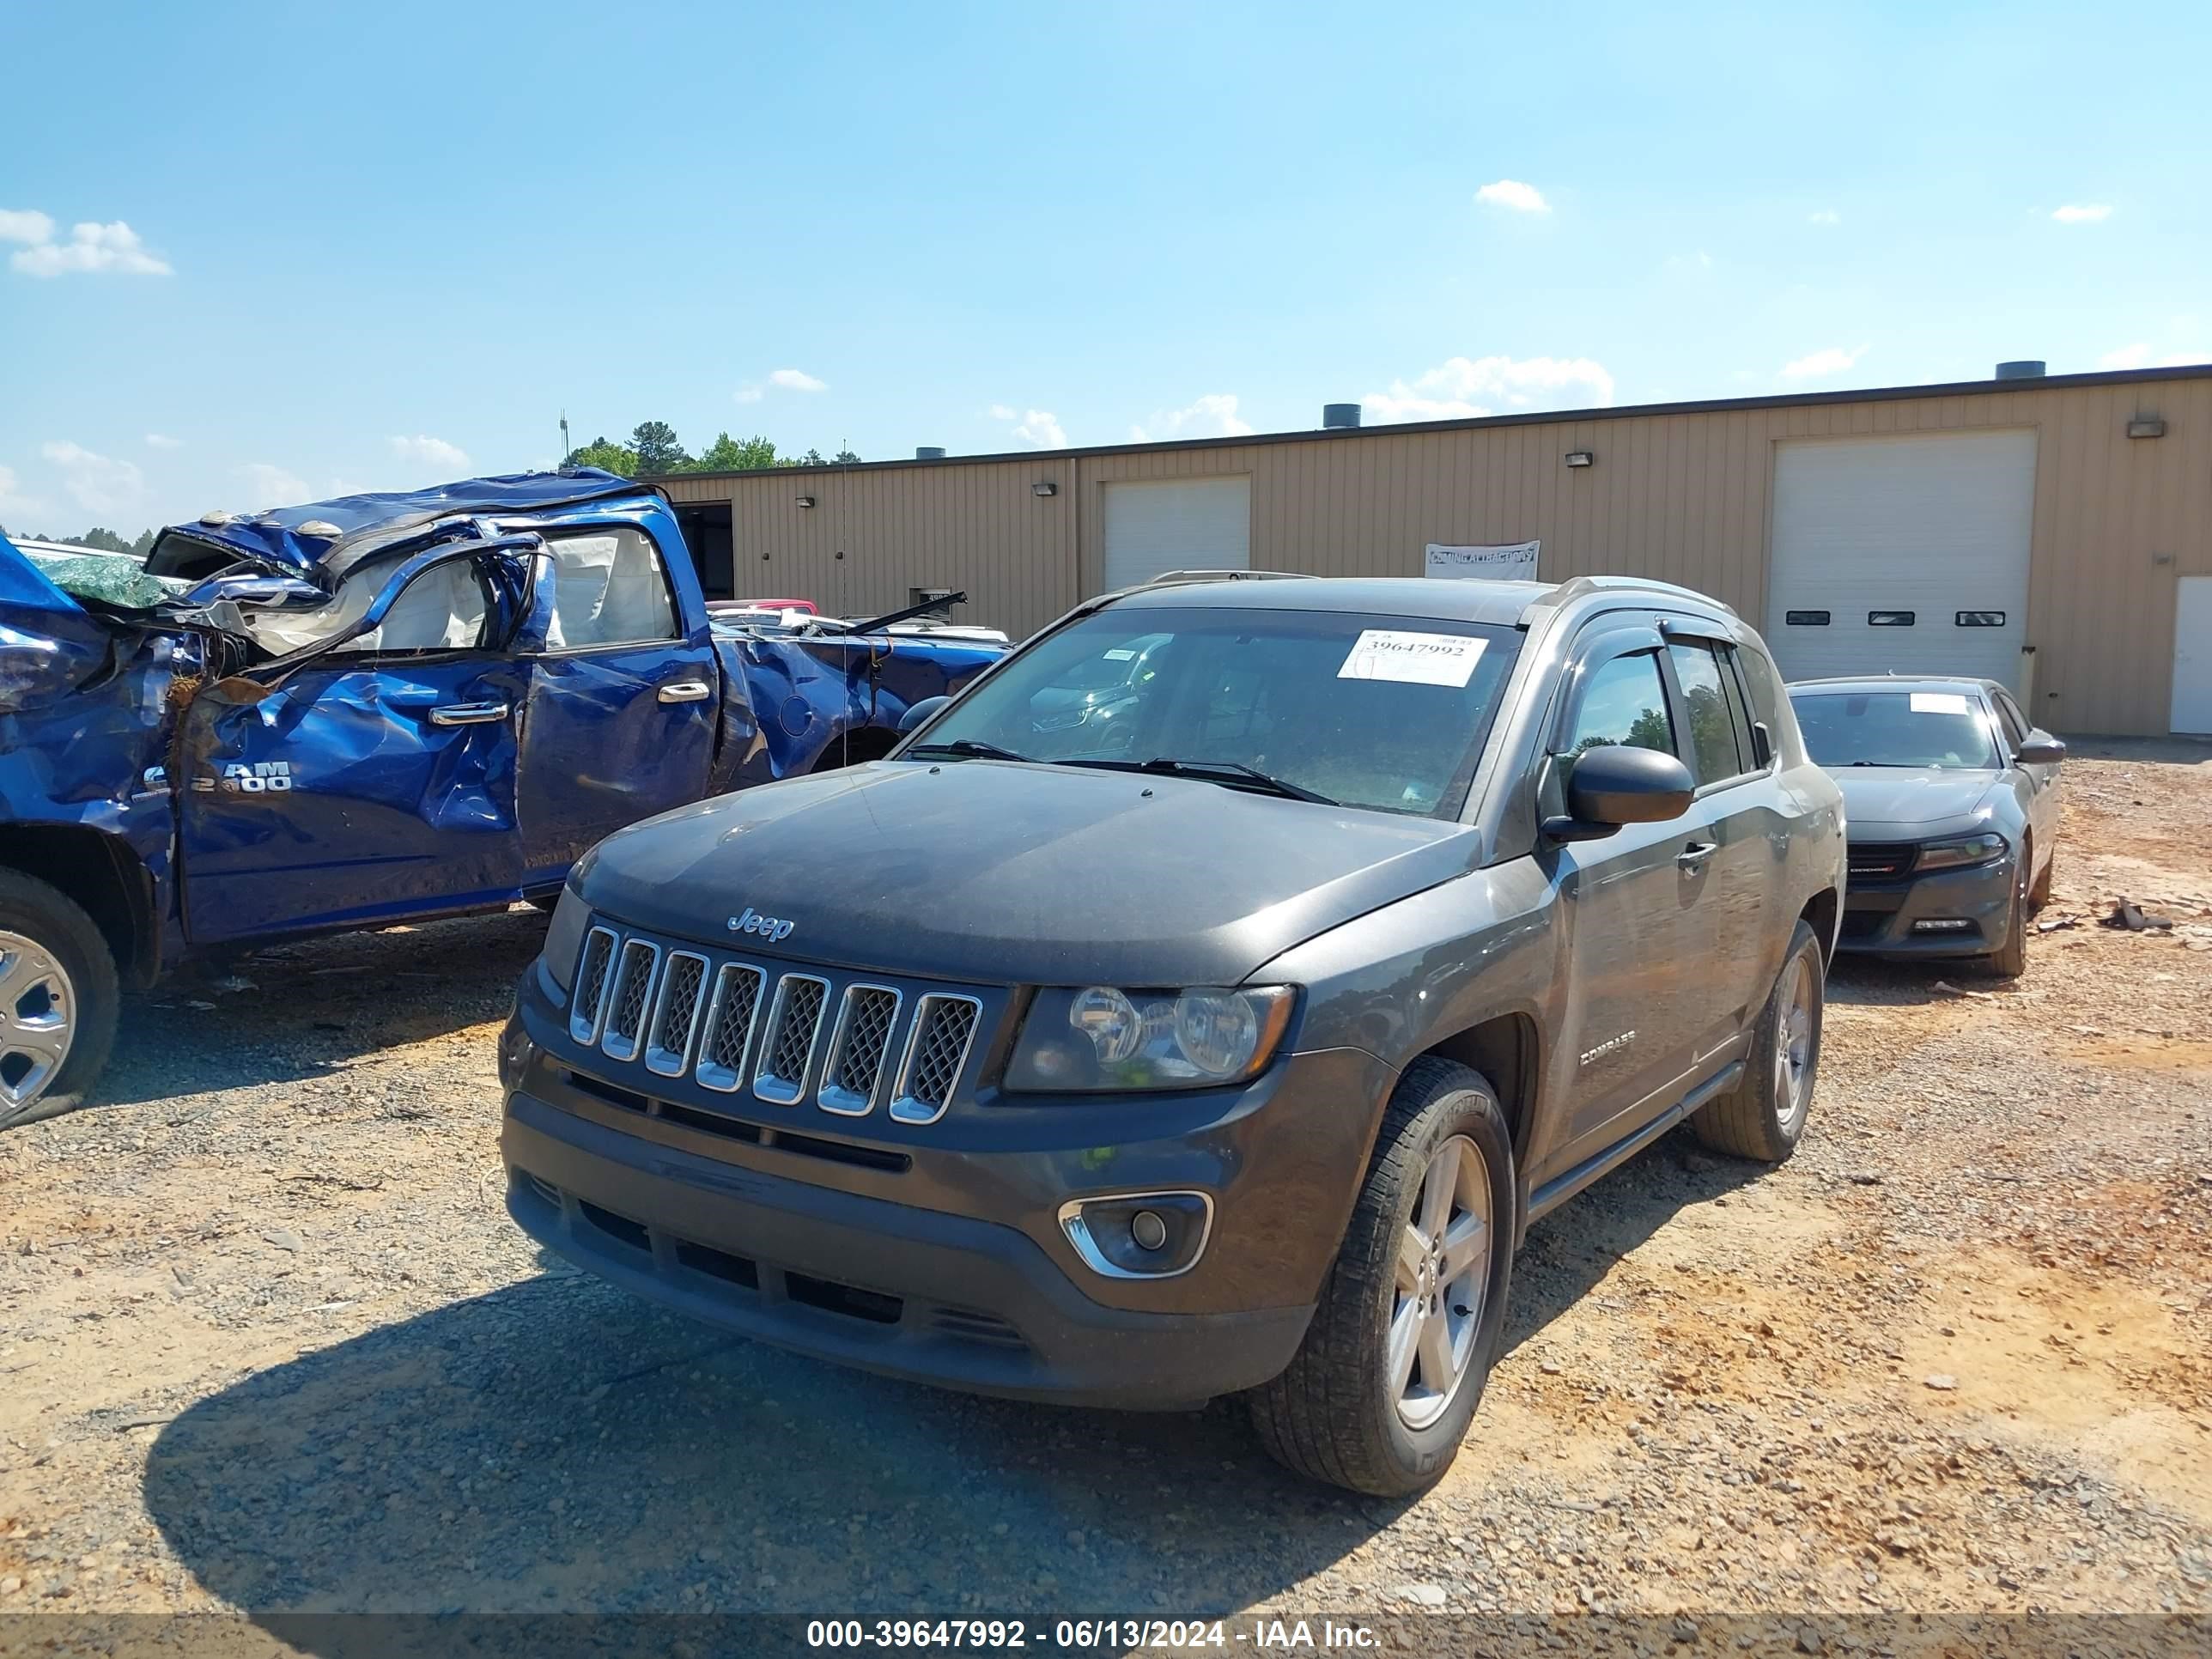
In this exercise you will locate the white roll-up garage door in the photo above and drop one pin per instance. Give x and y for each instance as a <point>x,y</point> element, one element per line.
<point>1906,553</point>
<point>1182,524</point>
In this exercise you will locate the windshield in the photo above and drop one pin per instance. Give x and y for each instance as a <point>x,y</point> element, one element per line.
<point>1896,728</point>
<point>1381,712</point>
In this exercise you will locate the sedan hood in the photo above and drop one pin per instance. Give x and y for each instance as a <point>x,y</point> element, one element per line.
<point>995,873</point>
<point>1907,803</point>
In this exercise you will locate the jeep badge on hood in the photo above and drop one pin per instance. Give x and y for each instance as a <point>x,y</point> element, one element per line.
<point>767,927</point>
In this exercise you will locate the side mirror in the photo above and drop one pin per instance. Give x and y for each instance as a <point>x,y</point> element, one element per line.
<point>921,713</point>
<point>1616,785</point>
<point>2040,748</point>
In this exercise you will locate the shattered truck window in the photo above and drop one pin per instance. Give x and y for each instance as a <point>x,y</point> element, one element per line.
<point>608,589</point>
<point>441,609</point>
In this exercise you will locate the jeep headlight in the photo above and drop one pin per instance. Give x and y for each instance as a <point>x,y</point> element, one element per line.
<point>563,940</point>
<point>1959,852</point>
<point>1099,1037</point>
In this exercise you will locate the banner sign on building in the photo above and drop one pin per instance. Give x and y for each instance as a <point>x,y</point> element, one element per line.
<point>1515,563</point>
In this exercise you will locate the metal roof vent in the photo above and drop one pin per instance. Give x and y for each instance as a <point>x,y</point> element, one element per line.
<point>1337,416</point>
<point>2024,368</point>
<point>930,452</point>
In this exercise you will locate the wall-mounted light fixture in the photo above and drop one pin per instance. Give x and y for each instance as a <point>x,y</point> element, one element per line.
<point>1581,458</point>
<point>2146,426</point>
<point>1045,487</point>
<point>806,500</point>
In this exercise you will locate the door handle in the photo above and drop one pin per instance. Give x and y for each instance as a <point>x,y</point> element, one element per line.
<point>468,713</point>
<point>686,692</point>
<point>1694,856</point>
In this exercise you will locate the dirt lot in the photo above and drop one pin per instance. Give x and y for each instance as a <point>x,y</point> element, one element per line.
<point>267,1340</point>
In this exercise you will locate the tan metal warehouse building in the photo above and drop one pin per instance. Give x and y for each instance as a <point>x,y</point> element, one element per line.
<point>2054,531</point>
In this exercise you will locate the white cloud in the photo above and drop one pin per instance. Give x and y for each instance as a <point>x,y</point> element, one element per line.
<point>25,225</point>
<point>2085,212</point>
<point>1824,217</point>
<point>98,484</point>
<point>780,380</point>
<point>157,440</point>
<point>1463,387</point>
<point>2126,356</point>
<point>1513,194</point>
<point>91,246</point>
<point>1040,428</point>
<point>1819,365</point>
<point>14,506</point>
<point>1213,415</point>
<point>272,486</point>
<point>431,452</point>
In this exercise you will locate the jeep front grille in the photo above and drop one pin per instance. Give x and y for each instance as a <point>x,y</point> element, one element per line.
<point>865,1019</point>
<point>794,1022</point>
<point>675,1016</point>
<point>848,1046</point>
<point>629,1000</point>
<point>936,1052</point>
<point>590,985</point>
<point>729,1027</point>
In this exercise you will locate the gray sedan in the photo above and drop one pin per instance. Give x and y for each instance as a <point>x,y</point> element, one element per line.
<point>1951,798</point>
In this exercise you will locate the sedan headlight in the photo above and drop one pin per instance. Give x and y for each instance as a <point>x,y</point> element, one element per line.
<point>1100,1038</point>
<point>565,938</point>
<point>1958,853</point>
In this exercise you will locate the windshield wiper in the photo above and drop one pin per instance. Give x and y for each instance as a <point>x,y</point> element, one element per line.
<point>1231,774</point>
<point>968,749</point>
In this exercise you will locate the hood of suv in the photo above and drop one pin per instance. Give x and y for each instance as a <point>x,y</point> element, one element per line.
<point>1902,803</point>
<point>995,873</point>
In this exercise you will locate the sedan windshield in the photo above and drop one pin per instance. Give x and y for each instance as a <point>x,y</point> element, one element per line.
<point>1896,728</point>
<point>1381,712</point>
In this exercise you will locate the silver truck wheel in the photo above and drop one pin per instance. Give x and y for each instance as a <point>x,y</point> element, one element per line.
<point>57,1000</point>
<point>37,1020</point>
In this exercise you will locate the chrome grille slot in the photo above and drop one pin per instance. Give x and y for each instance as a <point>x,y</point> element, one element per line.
<point>591,976</point>
<point>729,1027</point>
<point>936,1053</point>
<point>858,1047</point>
<point>676,1015</point>
<point>627,999</point>
<point>794,1022</point>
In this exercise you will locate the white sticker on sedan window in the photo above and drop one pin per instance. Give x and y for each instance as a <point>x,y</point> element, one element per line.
<point>1383,653</point>
<point>1939,703</point>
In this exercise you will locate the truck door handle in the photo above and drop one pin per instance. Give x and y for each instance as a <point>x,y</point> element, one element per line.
<point>685,691</point>
<point>468,713</point>
<point>1694,856</point>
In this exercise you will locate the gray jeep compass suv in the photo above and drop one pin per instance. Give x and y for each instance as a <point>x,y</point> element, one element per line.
<point>1227,1045</point>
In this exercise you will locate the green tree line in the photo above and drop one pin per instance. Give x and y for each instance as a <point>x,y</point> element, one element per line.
<point>653,448</point>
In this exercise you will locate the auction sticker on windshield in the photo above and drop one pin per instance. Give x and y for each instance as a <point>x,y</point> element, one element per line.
<point>1939,703</point>
<point>1383,653</point>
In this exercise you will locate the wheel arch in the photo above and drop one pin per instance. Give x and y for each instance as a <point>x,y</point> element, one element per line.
<point>1822,913</point>
<point>103,878</point>
<point>1507,1050</point>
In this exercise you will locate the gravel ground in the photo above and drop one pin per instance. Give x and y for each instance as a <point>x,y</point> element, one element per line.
<point>268,1341</point>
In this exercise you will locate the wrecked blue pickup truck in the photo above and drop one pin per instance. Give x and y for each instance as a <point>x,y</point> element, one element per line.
<point>372,710</point>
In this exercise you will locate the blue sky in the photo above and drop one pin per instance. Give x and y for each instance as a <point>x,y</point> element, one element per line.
<point>255,253</point>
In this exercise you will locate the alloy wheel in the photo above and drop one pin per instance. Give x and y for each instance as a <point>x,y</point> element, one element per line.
<point>37,1020</point>
<point>1793,1048</point>
<point>1443,1271</point>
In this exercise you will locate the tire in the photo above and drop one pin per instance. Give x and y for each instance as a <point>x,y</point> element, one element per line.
<point>1765,1118</point>
<point>2039,895</point>
<point>2010,959</point>
<point>42,930</point>
<point>1336,1415</point>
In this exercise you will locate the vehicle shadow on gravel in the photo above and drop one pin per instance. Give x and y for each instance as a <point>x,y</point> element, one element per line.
<point>308,1009</point>
<point>559,1446</point>
<point>1871,982</point>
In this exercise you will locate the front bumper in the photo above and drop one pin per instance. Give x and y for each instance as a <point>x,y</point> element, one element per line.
<point>935,1252</point>
<point>1879,915</point>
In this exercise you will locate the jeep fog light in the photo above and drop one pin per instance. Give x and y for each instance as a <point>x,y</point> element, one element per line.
<point>1101,1038</point>
<point>1138,1235</point>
